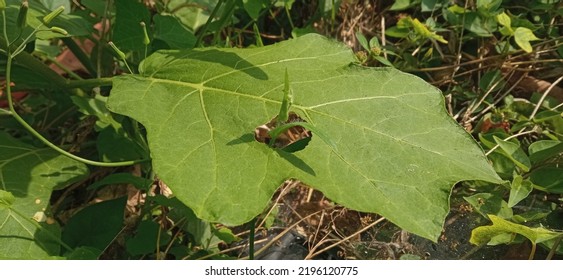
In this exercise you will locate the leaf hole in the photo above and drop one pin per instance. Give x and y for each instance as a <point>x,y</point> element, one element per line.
<point>291,139</point>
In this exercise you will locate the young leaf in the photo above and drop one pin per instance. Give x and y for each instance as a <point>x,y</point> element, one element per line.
<point>503,19</point>
<point>523,36</point>
<point>490,203</point>
<point>399,153</point>
<point>519,189</point>
<point>287,100</point>
<point>362,40</point>
<point>482,235</point>
<point>514,153</point>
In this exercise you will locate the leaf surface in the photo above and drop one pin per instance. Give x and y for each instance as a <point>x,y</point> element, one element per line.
<point>27,177</point>
<point>397,151</point>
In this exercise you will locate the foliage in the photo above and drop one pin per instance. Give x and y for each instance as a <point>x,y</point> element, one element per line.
<point>149,145</point>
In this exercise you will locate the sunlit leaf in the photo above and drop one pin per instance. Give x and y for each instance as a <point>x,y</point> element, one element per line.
<point>398,153</point>
<point>523,36</point>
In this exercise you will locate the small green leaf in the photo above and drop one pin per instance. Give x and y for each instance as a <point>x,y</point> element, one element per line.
<point>488,6</point>
<point>545,149</point>
<point>523,36</point>
<point>374,42</point>
<point>504,19</point>
<point>397,32</point>
<point>531,215</point>
<point>384,61</point>
<point>490,203</point>
<point>287,101</point>
<point>457,9</point>
<point>22,15</point>
<point>226,235</point>
<point>420,29</point>
<point>400,5</point>
<point>519,189</point>
<point>430,5</point>
<point>514,153</point>
<point>478,25</point>
<point>52,15</point>
<point>362,40</point>
<point>482,235</point>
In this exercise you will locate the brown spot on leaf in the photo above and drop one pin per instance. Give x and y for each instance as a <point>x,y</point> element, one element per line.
<point>287,138</point>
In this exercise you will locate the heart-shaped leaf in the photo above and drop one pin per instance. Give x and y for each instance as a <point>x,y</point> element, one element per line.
<point>397,152</point>
<point>27,177</point>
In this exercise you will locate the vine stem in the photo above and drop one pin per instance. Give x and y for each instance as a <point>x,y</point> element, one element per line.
<point>19,119</point>
<point>251,239</point>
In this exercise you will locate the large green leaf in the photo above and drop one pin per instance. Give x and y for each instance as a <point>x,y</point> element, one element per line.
<point>397,151</point>
<point>27,177</point>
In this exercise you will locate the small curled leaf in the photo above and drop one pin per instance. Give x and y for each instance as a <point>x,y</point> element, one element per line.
<point>52,15</point>
<point>59,30</point>
<point>22,15</point>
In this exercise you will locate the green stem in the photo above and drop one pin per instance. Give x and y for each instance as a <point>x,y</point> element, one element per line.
<point>554,248</point>
<point>251,239</point>
<point>30,62</point>
<point>72,84</point>
<point>532,252</point>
